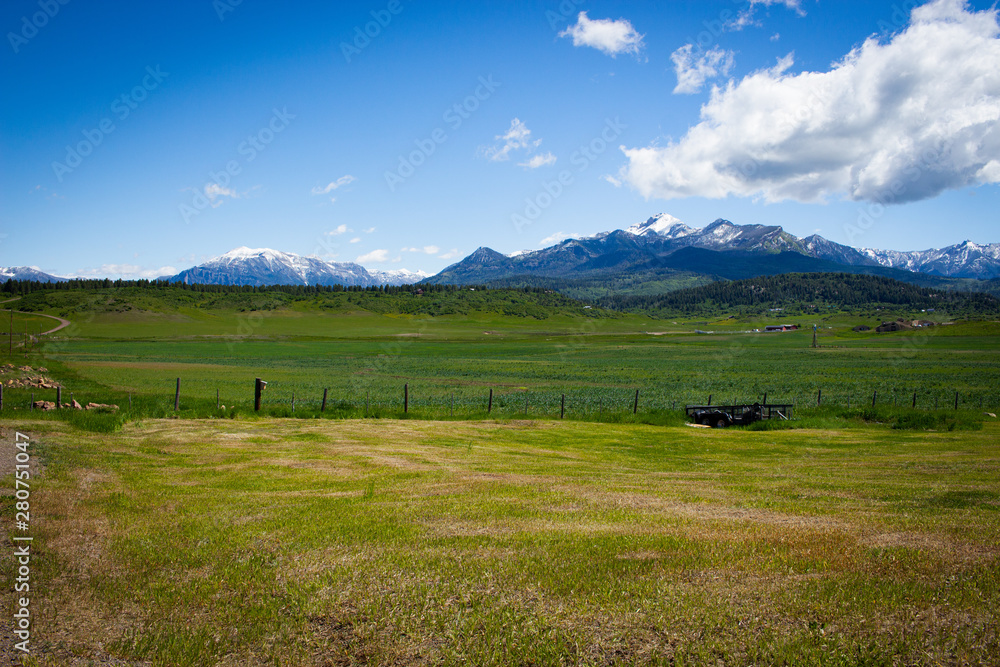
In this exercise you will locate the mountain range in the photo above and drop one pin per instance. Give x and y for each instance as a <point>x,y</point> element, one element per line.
<point>665,243</point>
<point>648,251</point>
<point>263,266</point>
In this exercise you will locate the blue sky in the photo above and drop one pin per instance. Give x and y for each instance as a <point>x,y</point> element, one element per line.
<point>139,139</point>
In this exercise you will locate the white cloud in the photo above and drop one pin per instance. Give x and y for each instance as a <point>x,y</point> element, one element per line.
<point>375,256</point>
<point>540,160</point>
<point>746,17</point>
<point>339,183</point>
<point>427,249</point>
<point>125,272</point>
<point>612,180</point>
<point>516,138</point>
<point>693,72</point>
<point>557,237</point>
<point>894,121</point>
<point>450,254</point>
<point>611,37</point>
<point>356,239</point>
<point>214,191</point>
<point>340,229</point>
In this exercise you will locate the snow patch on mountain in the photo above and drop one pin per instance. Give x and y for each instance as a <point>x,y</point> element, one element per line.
<point>663,225</point>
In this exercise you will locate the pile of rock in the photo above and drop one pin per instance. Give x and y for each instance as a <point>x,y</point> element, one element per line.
<point>74,405</point>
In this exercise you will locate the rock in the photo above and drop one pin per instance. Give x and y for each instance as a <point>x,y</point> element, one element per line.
<point>76,405</point>
<point>102,406</point>
<point>43,405</point>
<point>990,414</point>
<point>42,369</point>
<point>27,369</point>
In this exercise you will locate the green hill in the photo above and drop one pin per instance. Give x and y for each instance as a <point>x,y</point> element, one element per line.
<point>806,292</point>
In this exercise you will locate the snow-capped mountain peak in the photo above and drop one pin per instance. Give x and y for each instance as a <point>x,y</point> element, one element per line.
<point>664,225</point>
<point>264,266</point>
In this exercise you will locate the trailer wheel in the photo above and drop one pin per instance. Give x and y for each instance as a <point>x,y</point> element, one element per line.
<point>722,423</point>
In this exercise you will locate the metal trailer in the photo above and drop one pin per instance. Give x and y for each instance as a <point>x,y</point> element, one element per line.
<point>721,416</point>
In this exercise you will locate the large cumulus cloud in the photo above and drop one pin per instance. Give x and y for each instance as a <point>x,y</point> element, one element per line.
<point>898,119</point>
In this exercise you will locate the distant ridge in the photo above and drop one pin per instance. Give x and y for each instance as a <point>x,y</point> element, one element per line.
<point>28,273</point>
<point>263,266</point>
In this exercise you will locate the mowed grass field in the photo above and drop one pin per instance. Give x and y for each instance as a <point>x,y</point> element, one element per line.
<point>512,542</point>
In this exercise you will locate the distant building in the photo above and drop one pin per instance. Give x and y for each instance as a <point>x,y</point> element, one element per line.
<point>780,327</point>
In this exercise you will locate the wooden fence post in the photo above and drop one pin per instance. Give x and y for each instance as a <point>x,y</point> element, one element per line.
<point>562,407</point>
<point>217,402</point>
<point>874,396</point>
<point>322,408</point>
<point>1,397</point>
<point>489,406</point>
<point>956,400</point>
<point>177,396</point>
<point>257,389</point>
<point>406,397</point>
<point>293,401</point>
<point>635,404</point>
<point>31,404</point>
<point>819,398</point>
<point>525,403</point>
<point>59,398</point>
<point>914,400</point>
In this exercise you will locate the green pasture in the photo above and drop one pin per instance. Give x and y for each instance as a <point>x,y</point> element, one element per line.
<point>597,365</point>
<point>511,542</point>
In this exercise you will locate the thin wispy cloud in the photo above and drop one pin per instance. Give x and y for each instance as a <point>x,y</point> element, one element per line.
<point>893,121</point>
<point>540,160</point>
<point>337,231</point>
<point>375,256</point>
<point>606,35</point>
<point>748,16</point>
<point>692,72</point>
<point>334,185</point>
<point>516,138</point>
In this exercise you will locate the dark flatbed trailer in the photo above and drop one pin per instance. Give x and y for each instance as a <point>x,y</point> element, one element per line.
<point>721,416</point>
